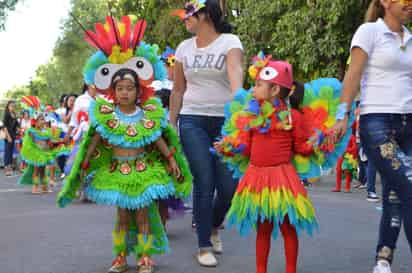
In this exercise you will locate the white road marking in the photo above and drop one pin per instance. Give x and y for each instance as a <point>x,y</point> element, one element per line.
<point>11,190</point>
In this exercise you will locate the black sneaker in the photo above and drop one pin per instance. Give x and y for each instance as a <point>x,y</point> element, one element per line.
<point>372,197</point>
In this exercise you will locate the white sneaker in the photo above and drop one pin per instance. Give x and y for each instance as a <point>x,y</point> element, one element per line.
<point>382,266</point>
<point>372,197</point>
<point>217,244</point>
<point>206,259</point>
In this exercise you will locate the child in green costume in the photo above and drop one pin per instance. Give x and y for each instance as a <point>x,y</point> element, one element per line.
<point>38,153</point>
<point>130,157</point>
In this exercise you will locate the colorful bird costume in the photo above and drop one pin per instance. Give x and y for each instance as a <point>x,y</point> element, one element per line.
<point>40,146</point>
<point>347,165</point>
<point>128,182</point>
<point>271,147</point>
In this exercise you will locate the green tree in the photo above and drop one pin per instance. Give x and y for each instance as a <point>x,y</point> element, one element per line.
<point>5,7</point>
<point>314,35</point>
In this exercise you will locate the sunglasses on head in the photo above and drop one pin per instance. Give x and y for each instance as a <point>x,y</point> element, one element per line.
<point>403,2</point>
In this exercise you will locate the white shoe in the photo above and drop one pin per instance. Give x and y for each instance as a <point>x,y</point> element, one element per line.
<point>206,259</point>
<point>372,197</point>
<point>217,244</point>
<point>382,266</point>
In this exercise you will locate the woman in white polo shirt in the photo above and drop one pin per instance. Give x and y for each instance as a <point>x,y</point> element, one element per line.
<point>208,69</point>
<point>381,66</point>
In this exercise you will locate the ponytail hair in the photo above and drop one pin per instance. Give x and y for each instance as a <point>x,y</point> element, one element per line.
<point>214,11</point>
<point>375,11</point>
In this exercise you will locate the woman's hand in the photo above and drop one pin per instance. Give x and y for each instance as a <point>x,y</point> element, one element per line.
<point>338,131</point>
<point>218,146</point>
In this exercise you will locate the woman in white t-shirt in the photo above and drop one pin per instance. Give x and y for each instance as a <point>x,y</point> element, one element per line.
<point>208,70</point>
<point>381,66</point>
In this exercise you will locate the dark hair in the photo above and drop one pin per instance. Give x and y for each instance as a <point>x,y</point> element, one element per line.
<point>6,110</point>
<point>296,98</point>
<point>214,11</point>
<point>84,88</point>
<point>63,98</point>
<point>375,11</point>
<point>164,95</point>
<point>121,75</point>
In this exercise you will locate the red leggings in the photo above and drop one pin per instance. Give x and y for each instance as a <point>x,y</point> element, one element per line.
<point>291,244</point>
<point>348,176</point>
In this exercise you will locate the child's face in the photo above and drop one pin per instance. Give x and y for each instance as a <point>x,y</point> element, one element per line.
<point>265,90</point>
<point>126,92</point>
<point>40,122</point>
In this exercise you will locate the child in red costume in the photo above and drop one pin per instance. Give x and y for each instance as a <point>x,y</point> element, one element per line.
<point>270,195</point>
<point>347,164</point>
<point>270,135</point>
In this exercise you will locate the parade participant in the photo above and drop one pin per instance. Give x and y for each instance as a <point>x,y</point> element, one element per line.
<point>270,196</point>
<point>208,68</point>
<point>11,125</point>
<point>380,68</point>
<point>81,104</point>
<point>38,149</point>
<point>56,128</point>
<point>130,157</point>
<point>347,165</point>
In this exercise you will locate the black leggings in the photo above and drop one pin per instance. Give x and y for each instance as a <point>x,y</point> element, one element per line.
<point>61,161</point>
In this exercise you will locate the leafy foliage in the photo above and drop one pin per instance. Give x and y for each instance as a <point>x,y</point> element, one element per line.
<point>5,7</point>
<point>313,35</point>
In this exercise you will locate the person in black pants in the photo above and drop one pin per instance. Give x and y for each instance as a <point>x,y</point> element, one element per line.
<point>10,128</point>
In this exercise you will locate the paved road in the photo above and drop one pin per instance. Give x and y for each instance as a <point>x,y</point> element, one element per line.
<point>37,237</point>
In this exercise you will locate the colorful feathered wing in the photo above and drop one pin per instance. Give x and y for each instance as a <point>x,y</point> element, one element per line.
<point>319,109</point>
<point>321,100</point>
<point>234,140</point>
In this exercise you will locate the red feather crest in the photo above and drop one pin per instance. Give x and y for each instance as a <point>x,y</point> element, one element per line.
<point>114,33</point>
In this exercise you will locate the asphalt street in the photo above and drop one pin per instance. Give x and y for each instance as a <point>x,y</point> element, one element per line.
<point>38,237</point>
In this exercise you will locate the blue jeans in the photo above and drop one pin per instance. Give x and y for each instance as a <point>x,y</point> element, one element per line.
<point>387,139</point>
<point>197,134</point>
<point>371,177</point>
<point>8,152</point>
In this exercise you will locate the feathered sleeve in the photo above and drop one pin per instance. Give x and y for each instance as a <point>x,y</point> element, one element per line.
<point>101,156</point>
<point>236,133</point>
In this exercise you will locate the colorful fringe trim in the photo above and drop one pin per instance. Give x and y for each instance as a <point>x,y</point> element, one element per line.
<point>115,198</point>
<point>271,194</point>
<point>271,206</point>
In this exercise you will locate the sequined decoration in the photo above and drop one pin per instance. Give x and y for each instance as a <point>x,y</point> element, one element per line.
<point>148,124</point>
<point>131,131</point>
<point>125,168</point>
<point>113,123</point>
<point>140,166</point>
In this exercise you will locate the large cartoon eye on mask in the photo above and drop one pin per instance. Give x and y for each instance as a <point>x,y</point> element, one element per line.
<point>104,74</point>
<point>141,66</point>
<point>268,73</point>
